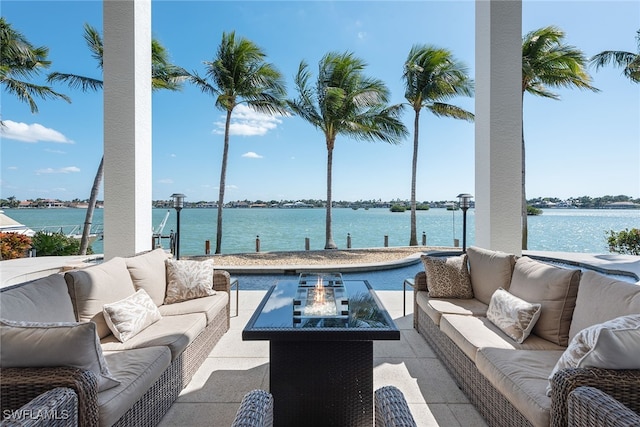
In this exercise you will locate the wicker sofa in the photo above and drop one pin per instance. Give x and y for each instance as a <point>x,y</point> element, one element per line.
<point>508,381</point>
<point>150,368</point>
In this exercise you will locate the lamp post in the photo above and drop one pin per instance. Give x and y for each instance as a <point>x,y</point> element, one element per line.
<point>178,204</point>
<point>465,203</point>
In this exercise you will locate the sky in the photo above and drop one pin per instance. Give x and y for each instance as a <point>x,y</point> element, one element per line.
<point>584,144</point>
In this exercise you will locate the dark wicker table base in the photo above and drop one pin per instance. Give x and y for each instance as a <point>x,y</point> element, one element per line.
<point>322,383</point>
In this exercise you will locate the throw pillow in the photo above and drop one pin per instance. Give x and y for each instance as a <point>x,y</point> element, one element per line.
<point>41,345</point>
<point>614,344</point>
<point>447,277</point>
<point>514,316</point>
<point>188,279</point>
<point>127,317</point>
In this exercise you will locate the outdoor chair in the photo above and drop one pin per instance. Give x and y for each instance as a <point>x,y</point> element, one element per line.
<point>392,409</point>
<point>589,406</point>
<point>256,410</point>
<point>57,407</point>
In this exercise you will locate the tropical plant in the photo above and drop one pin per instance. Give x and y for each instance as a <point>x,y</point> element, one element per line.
<point>164,75</point>
<point>432,76</point>
<point>239,74</point>
<point>398,208</point>
<point>13,245</point>
<point>20,60</point>
<point>630,62</point>
<point>532,210</point>
<point>55,244</point>
<point>344,101</point>
<point>625,241</point>
<point>547,62</point>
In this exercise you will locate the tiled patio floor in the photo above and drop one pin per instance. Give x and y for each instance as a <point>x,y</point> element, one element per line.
<point>235,367</point>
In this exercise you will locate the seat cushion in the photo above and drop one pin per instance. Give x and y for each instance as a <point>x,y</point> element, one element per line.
<point>471,333</point>
<point>148,272</point>
<point>42,300</point>
<point>436,307</point>
<point>521,376</point>
<point>93,287</point>
<point>555,288</point>
<point>602,298</point>
<point>489,271</point>
<point>175,332</point>
<point>137,370</point>
<point>210,306</point>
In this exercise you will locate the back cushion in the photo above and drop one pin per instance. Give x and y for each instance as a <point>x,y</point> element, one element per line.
<point>555,288</point>
<point>41,300</point>
<point>148,272</point>
<point>93,287</point>
<point>489,271</point>
<point>602,298</point>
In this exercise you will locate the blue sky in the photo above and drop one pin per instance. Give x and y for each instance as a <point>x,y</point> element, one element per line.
<point>585,144</point>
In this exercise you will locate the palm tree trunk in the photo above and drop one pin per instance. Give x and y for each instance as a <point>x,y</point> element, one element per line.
<point>93,198</point>
<point>329,244</point>
<point>413,240</point>
<point>223,179</point>
<point>525,230</point>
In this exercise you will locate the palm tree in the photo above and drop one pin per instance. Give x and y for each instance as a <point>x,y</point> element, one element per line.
<point>20,60</point>
<point>164,75</point>
<point>548,62</point>
<point>238,75</point>
<point>630,62</point>
<point>432,76</point>
<point>345,102</point>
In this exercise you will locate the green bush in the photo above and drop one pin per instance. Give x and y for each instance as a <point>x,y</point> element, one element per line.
<point>533,210</point>
<point>397,208</point>
<point>624,242</point>
<point>14,245</point>
<point>56,244</point>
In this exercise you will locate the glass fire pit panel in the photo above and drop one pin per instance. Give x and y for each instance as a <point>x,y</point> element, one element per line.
<point>326,279</point>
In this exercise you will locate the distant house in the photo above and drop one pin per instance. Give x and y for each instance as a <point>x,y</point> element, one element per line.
<point>622,205</point>
<point>25,204</point>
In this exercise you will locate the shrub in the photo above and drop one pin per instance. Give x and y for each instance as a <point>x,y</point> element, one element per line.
<point>55,244</point>
<point>624,242</point>
<point>531,210</point>
<point>14,245</point>
<point>397,208</point>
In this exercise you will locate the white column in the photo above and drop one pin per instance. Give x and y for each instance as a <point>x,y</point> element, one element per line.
<point>498,125</point>
<point>127,127</point>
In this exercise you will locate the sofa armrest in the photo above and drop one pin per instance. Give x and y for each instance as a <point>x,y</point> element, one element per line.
<point>21,385</point>
<point>256,410</point>
<point>222,281</point>
<point>621,385</point>
<point>392,409</point>
<point>589,406</point>
<point>55,408</point>
<point>420,282</point>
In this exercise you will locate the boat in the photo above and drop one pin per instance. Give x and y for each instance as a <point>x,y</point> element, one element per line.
<point>10,225</point>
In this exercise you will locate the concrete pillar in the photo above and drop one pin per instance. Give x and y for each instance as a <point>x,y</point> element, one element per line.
<point>498,125</point>
<point>127,127</point>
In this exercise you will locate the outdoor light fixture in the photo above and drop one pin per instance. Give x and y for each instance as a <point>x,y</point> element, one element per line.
<point>178,204</point>
<point>465,203</point>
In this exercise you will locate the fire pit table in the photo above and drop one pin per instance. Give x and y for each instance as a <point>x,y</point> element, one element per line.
<point>321,331</point>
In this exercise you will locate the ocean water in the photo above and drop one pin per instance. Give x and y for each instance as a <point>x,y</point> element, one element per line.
<point>565,230</point>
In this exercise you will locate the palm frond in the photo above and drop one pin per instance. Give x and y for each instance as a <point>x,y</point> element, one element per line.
<point>26,91</point>
<point>76,82</point>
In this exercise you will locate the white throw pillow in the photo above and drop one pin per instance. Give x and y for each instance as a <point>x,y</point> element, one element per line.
<point>42,345</point>
<point>614,344</point>
<point>514,316</point>
<point>127,317</point>
<point>188,279</point>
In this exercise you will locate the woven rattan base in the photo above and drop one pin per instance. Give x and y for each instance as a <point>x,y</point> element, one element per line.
<point>322,383</point>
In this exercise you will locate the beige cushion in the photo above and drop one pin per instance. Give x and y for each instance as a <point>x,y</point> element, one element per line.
<point>555,288</point>
<point>137,371</point>
<point>42,300</point>
<point>614,344</point>
<point>436,307</point>
<point>447,277</point>
<point>187,279</point>
<point>471,333</point>
<point>93,287</point>
<point>175,332</point>
<point>489,271</point>
<point>602,298</point>
<point>514,316</point>
<point>211,306</point>
<point>41,345</point>
<point>521,377</point>
<point>148,272</point>
<point>127,317</point>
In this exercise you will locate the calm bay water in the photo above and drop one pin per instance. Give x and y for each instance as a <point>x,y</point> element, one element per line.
<point>566,230</point>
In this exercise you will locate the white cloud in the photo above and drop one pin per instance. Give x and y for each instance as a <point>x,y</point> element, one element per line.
<point>48,150</point>
<point>68,169</point>
<point>166,181</point>
<point>252,155</point>
<point>31,133</point>
<point>247,122</point>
